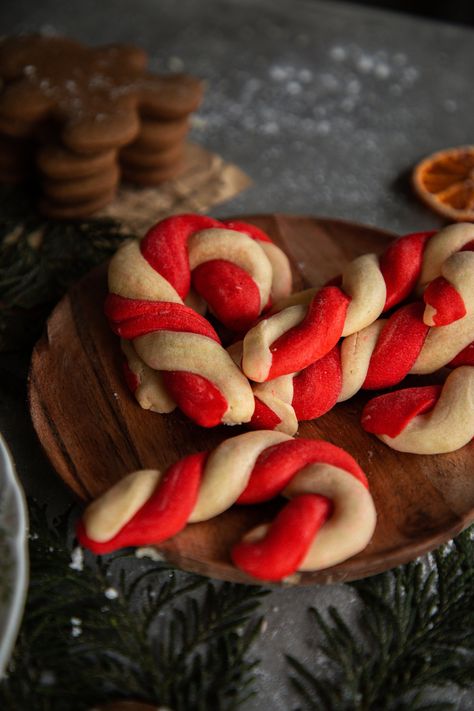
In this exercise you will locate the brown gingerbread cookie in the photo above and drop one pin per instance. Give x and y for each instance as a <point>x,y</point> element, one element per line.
<point>151,176</point>
<point>57,163</point>
<point>156,135</point>
<point>136,157</point>
<point>75,210</point>
<point>81,189</point>
<point>78,106</point>
<point>95,94</point>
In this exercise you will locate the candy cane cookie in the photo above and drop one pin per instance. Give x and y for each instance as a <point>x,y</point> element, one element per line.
<point>382,354</point>
<point>330,515</point>
<point>425,420</point>
<point>379,357</point>
<point>299,334</point>
<point>235,268</point>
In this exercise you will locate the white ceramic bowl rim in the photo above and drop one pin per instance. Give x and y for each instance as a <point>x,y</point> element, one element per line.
<point>14,528</point>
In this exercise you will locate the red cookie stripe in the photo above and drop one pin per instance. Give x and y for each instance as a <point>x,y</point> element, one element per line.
<point>277,465</point>
<point>443,297</point>
<point>397,348</point>
<point>464,357</point>
<point>164,514</point>
<point>142,325</point>
<point>130,318</point>
<point>317,387</point>
<point>165,247</point>
<point>263,417</point>
<point>315,336</point>
<point>390,413</point>
<point>230,292</point>
<point>196,396</point>
<point>400,265</point>
<point>290,535</point>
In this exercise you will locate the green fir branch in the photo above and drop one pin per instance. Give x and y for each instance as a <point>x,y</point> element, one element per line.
<point>415,631</point>
<point>124,627</point>
<point>39,260</point>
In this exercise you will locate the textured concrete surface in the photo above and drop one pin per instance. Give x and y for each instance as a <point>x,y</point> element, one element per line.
<point>327,106</point>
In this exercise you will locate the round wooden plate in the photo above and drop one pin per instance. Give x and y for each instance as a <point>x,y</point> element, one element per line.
<point>94,432</point>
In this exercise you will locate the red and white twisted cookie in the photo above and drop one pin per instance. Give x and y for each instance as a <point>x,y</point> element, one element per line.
<point>330,515</point>
<point>302,333</point>
<point>382,354</point>
<point>174,354</point>
<point>425,420</point>
<point>377,357</point>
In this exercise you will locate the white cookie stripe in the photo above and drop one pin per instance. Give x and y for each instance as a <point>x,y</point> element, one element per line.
<point>257,356</point>
<point>362,280</point>
<point>228,471</point>
<point>150,392</point>
<point>132,277</point>
<point>442,345</point>
<point>190,352</point>
<point>356,351</point>
<point>105,516</point>
<point>281,272</point>
<point>302,298</point>
<point>440,247</point>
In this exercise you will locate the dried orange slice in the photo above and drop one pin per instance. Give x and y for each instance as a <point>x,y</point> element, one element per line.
<point>445,182</point>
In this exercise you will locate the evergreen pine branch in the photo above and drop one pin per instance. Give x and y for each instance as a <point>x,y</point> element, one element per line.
<point>415,631</point>
<point>39,260</point>
<point>127,628</point>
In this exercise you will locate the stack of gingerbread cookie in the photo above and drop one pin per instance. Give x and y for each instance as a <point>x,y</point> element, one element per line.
<point>79,119</point>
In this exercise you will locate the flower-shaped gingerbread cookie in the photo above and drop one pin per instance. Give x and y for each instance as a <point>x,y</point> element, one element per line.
<point>97,95</point>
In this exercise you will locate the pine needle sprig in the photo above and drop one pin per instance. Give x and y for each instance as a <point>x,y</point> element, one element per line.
<point>122,627</point>
<point>40,259</point>
<point>415,632</point>
<point>201,636</point>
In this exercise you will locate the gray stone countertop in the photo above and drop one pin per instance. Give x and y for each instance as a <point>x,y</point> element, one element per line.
<point>327,107</point>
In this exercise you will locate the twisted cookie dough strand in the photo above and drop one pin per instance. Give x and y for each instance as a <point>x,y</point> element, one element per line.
<point>305,331</point>
<point>234,266</point>
<point>282,403</point>
<point>147,283</point>
<point>329,518</point>
<point>380,356</point>
<point>166,335</point>
<point>383,353</point>
<point>425,420</point>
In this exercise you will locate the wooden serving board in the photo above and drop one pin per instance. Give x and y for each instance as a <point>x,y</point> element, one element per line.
<point>94,432</point>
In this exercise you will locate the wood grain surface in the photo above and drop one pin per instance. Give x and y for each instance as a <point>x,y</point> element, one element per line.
<point>94,432</point>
